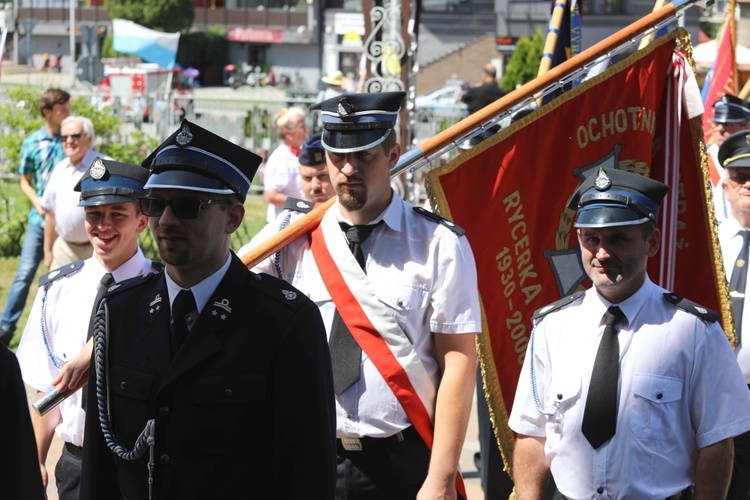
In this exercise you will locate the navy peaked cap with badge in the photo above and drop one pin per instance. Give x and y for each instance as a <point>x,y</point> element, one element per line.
<point>196,159</point>
<point>735,150</point>
<point>108,181</point>
<point>612,197</point>
<point>312,154</point>
<point>356,122</point>
<point>731,109</point>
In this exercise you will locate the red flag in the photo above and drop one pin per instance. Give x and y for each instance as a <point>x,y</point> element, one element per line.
<point>512,195</point>
<point>724,71</point>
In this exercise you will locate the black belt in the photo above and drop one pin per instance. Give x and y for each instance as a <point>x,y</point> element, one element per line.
<point>676,496</point>
<point>367,442</point>
<point>76,451</point>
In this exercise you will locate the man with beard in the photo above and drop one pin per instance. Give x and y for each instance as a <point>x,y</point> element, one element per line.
<point>59,319</point>
<point>627,390</point>
<point>226,372</point>
<point>396,286</point>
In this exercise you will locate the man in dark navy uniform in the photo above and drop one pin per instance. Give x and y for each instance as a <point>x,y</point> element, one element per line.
<point>227,372</point>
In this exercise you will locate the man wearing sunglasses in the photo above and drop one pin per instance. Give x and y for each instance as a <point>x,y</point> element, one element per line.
<point>65,238</point>
<point>734,237</point>
<point>731,115</point>
<point>227,371</point>
<point>59,320</point>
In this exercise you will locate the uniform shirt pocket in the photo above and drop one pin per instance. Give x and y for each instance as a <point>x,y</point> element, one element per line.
<point>228,388</point>
<point>563,394</point>
<point>403,297</point>
<point>655,400</point>
<point>131,390</point>
<point>132,383</point>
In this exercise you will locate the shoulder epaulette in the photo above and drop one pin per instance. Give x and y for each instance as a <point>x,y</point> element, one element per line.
<point>559,304</point>
<point>129,283</point>
<point>691,307</point>
<point>440,220</point>
<point>60,272</point>
<point>297,205</point>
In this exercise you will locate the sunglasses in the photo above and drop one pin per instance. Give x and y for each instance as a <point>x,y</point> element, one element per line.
<point>182,208</point>
<point>75,137</point>
<point>738,177</point>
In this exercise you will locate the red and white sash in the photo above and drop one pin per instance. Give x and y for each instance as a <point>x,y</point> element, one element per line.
<point>375,329</point>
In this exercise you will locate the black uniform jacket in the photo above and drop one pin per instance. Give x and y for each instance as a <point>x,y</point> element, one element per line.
<point>245,406</point>
<point>20,477</point>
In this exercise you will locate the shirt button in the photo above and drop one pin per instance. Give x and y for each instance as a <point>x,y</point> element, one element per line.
<point>559,396</point>
<point>164,459</point>
<point>228,393</point>
<point>659,396</point>
<point>123,386</point>
<point>349,416</point>
<point>164,411</point>
<point>600,490</point>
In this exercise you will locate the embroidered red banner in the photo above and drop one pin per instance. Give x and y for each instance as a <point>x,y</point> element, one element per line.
<point>512,192</point>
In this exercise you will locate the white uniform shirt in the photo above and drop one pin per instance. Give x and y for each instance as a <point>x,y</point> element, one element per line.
<point>282,175</point>
<point>731,244</point>
<point>60,197</point>
<point>425,277</point>
<point>679,390</point>
<point>69,302</point>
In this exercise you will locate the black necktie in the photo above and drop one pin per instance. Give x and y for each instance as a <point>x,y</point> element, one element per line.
<point>737,283</point>
<point>104,283</point>
<point>600,414</point>
<point>182,306</point>
<point>346,354</point>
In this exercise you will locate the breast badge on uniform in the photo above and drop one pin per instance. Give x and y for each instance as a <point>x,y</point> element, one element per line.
<point>221,304</point>
<point>154,306</point>
<point>289,295</point>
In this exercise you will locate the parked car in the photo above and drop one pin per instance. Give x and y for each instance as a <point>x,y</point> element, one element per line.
<point>440,99</point>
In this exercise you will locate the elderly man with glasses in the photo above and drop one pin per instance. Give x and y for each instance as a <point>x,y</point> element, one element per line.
<point>65,238</point>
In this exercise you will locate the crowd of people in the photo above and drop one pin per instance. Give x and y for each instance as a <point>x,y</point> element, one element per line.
<point>344,364</point>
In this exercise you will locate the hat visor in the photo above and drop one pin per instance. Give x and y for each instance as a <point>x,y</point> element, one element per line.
<point>351,141</point>
<point>739,162</point>
<point>189,181</point>
<point>106,199</point>
<point>607,215</point>
<point>724,118</point>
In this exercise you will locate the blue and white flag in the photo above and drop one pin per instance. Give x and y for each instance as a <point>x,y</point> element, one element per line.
<point>151,46</point>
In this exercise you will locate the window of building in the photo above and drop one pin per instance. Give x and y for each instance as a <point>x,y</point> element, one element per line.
<point>461,6</point>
